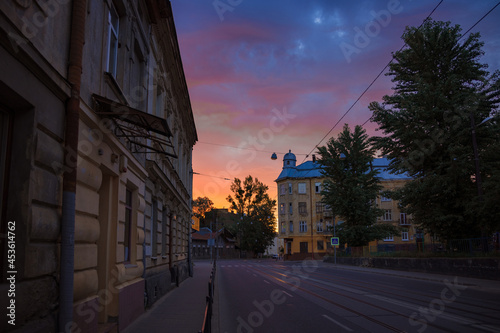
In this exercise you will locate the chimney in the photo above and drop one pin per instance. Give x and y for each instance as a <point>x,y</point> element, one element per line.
<point>314,158</point>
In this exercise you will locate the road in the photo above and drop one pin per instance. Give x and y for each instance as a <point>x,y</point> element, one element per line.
<point>312,296</point>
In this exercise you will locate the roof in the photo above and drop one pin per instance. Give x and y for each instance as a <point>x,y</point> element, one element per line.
<point>312,169</point>
<point>206,234</point>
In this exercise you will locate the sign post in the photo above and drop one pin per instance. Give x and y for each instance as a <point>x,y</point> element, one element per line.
<point>335,242</point>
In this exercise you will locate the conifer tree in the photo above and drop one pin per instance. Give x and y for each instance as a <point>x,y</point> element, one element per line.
<point>441,90</point>
<point>351,187</point>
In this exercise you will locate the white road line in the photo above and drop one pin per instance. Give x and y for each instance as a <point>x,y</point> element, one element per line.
<point>267,282</point>
<point>336,322</point>
<point>284,292</point>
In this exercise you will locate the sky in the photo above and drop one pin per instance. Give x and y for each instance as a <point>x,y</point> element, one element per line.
<point>270,76</point>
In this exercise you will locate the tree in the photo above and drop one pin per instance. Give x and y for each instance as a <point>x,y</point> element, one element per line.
<point>441,89</point>
<point>201,206</point>
<point>351,187</point>
<point>256,229</point>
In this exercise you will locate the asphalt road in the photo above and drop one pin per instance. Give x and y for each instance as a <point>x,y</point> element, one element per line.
<point>312,296</point>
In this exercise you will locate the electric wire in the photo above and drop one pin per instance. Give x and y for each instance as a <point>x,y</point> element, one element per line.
<point>367,88</point>
<point>463,35</point>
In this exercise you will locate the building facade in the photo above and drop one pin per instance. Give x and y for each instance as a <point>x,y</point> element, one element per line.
<point>117,63</point>
<point>305,223</point>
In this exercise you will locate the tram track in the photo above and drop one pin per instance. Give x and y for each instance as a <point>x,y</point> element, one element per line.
<point>456,318</point>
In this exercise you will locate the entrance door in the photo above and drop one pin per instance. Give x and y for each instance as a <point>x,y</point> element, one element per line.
<point>106,247</point>
<point>303,247</point>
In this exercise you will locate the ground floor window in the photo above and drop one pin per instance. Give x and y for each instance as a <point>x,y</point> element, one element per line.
<point>404,234</point>
<point>128,225</point>
<point>321,245</point>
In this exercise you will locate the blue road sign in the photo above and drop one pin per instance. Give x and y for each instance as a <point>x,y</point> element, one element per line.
<point>335,241</point>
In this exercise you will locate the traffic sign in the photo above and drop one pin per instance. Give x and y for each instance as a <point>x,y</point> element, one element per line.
<point>334,241</point>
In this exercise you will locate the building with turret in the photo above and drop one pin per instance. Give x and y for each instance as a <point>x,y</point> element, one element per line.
<point>304,222</point>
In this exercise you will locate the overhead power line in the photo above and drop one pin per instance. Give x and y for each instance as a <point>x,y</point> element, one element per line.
<point>367,88</point>
<point>243,148</point>
<point>202,174</point>
<point>463,35</point>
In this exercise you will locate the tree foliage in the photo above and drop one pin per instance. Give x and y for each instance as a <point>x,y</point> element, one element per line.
<point>440,88</point>
<point>257,227</point>
<point>351,187</point>
<point>201,206</point>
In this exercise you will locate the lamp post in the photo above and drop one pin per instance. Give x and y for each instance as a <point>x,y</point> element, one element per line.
<point>479,181</point>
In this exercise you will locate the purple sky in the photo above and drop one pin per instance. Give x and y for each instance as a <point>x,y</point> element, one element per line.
<point>278,74</point>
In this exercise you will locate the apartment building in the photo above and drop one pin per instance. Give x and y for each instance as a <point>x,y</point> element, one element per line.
<point>304,222</point>
<point>96,146</point>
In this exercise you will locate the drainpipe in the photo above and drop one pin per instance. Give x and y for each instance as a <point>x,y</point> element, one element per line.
<point>77,40</point>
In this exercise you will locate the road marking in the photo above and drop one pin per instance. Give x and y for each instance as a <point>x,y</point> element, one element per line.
<point>336,322</point>
<point>284,292</point>
<point>267,282</point>
<point>487,328</point>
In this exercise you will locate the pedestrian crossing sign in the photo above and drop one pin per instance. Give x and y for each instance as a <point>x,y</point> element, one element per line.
<point>335,241</point>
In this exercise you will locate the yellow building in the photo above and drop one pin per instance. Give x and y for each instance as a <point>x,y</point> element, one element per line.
<point>304,221</point>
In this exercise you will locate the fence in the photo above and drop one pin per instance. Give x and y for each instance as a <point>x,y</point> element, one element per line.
<point>472,246</point>
<point>207,320</point>
<point>462,247</point>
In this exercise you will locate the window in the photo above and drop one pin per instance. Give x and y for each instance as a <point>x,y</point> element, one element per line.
<point>128,225</point>
<point>154,228</point>
<point>320,245</point>
<point>302,226</point>
<point>302,208</point>
<point>164,217</point>
<point>329,225</point>
<point>114,25</point>
<point>317,187</point>
<point>319,226</point>
<point>402,219</point>
<point>282,189</point>
<point>387,215</point>
<point>290,208</point>
<point>283,227</point>
<point>404,234</point>
<point>302,188</point>
<point>159,107</point>
<point>389,239</point>
<point>319,207</point>
<point>290,188</point>
<point>282,208</point>
<point>291,226</point>
<point>382,198</point>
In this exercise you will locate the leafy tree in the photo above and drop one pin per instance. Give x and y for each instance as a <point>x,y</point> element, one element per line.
<point>201,206</point>
<point>256,229</point>
<point>440,90</point>
<point>351,187</point>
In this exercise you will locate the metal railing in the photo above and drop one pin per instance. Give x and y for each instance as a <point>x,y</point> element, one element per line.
<point>207,320</point>
<point>471,246</point>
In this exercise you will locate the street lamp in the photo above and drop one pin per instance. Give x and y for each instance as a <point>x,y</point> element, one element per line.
<point>479,181</point>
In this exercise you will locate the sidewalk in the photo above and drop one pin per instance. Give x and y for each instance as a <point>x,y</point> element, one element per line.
<point>180,310</point>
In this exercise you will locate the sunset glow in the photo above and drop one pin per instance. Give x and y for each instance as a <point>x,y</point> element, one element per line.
<point>270,76</point>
